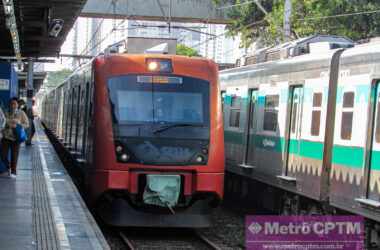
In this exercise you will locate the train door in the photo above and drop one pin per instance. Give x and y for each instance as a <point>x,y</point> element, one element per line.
<point>66,115</point>
<point>78,116</point>
<point>373,176</point>
<point>85,122</point>
<point>251,129</point>
<point>71,116</point>
<point>295,119</point>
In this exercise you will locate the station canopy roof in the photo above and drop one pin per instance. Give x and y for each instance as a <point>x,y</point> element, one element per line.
<point>34,20</point>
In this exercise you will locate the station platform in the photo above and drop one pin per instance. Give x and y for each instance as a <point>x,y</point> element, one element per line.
<point>42,209</point>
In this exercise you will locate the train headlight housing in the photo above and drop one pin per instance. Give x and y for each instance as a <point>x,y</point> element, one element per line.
<point>122,153</point>
<point>159,65</point>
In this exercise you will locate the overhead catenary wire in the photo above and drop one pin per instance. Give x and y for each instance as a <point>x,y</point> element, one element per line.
<point>239,29</point>
<point>299,19</point>
<point>235,5</point>
<point>84,51</point>
<point>107,35</point>
<point>340,15</point>
<point>191,29</point>
<point>224,33</point>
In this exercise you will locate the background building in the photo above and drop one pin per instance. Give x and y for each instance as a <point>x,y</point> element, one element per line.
<point>90,36</point>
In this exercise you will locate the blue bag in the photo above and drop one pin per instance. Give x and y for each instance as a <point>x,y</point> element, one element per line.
<point>3,166</point>
<point>20,133</point>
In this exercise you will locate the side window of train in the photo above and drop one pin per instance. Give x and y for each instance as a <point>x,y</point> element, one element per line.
<point>347,115</point>
<point>222,95</point>
<point>271,113</point>
<point>377,128</point>
<point>316,114</point>
<point>92,97</point>
<point>235,111</point>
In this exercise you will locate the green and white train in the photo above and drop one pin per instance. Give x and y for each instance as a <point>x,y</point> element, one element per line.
<point>306,128</point>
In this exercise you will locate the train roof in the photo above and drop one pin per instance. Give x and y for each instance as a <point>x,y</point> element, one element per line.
<point>168,56</point>
<point>364,53</point>
<point>122,56</point>
<point>294,64</point>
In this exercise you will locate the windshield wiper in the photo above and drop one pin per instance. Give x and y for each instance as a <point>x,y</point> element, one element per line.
<point>162,129</point>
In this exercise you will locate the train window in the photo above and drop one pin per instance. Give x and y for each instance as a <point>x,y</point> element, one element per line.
<point>316,114</point>
<point>85,122</point>
<point>317,100</point>
<point>348,100</point>
<point>315,122</point>
<point>235,102</point>
<point>222,95</point>
<point>235,112</point>
<point>294,116</point>
<point>252,108</point>
<point>347,115</point>
<point>234,118</point>
<point>71,114</point>
<point>377,129</point>
<point>271,112</point>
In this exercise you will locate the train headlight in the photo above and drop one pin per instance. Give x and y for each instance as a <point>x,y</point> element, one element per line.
<point>199,159</point>
<point>153,66</point>
<point>119,149</point>
<point>124,157</point>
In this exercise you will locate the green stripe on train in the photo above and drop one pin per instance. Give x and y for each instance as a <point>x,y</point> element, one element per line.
<point>343,155</point>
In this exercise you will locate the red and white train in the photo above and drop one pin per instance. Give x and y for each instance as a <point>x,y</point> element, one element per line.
<point>146,133</point>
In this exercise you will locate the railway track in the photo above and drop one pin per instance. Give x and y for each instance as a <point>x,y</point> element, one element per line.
<point>187,239</point>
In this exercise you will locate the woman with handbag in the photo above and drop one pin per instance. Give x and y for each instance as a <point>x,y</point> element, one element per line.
<point>13,135</point>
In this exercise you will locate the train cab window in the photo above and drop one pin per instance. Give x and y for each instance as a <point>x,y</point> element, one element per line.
<point>316,114</point>
<point>347,115</point>
<point>153,104</point>
<point>235,112</point>
<point>271,112</point>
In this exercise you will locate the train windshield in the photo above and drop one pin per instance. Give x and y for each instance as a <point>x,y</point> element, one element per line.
<point>134,106</point>
<point>166,105</point>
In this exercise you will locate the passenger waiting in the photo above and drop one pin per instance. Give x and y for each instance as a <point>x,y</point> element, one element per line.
<point>32,129</point>
<point>14,117</point>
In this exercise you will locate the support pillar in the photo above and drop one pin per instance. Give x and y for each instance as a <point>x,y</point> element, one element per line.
<point>29,84</point>
<point>287,21</point>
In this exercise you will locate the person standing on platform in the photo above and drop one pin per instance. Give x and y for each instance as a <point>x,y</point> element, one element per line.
<point>32,129</point>
<point>14,117</point>
<point>3,168</point>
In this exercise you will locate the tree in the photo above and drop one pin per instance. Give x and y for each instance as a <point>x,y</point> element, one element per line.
<point>309,17</point>
<point>55,78</point>
<point>185,51</point>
